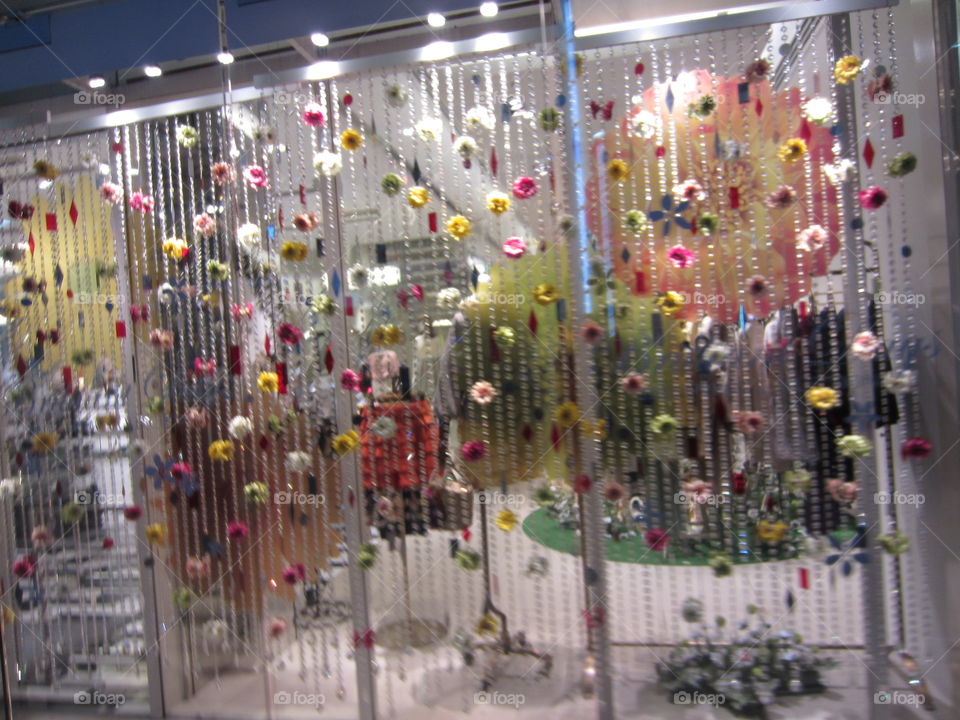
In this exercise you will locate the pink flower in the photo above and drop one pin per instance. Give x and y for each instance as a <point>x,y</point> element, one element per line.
<point>614,492</point>
<point>294,573</point>
<point>873,197</point>
<point>313,115</point>
<point>133,512</point>
<point>161,338</point>
<point>482,392</point>
<point>634,383</point>
<point>196,418</point>
<point>781,198</point>
<point>237,530</point>
<point>41,536</point>
<point>350,380</point>
<point>277,627</point>
<point>757,71</point>
<point>222,173</point>
<point>473,450</point>
<point>141,202</point>
<point>880,88</point>
<point>757,285</point>
<point>865,345</point>
<point>111,193</point>
<point>842,492</point>
<point>657,539</point>
<point>524,187</point>
<point>204,225</point>
<point>812,238</point>
<point>915,448</point>
<point>289,334</point>
<point>197,568</point>
<point>582,484</point>
<point>107,543</point>
<point>591,333</point>
<point>242,312</point>
<point>749,422</point>
<point>181,470</point>
<point>681,257</point>
<point>514,247</point>
<point>203,367</point>
<point>689,191</point>
<point>255,176</point>
<point>25,566</point>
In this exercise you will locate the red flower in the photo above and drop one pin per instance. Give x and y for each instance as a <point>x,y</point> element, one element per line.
<point>133,512</point>
<point>292,574</point>
<point>19,211</point>
<point>141,202</point>
<point>181,470</point>
<point>514,247</point>
<point>25,566</point>
<point>738,483</point>
<point>289,334</point>
<point>915,448</point>
<point>255,176</point>
<point>313,115</point>
<point>657,539</point>
<point>582,484</point>
<point>473,450</point>
<point>614,492</point>
<point>107,543</point>
<point>873,197</point>
<point>237,530</point>
<point>305,222</point>
<point>350,380</point>
<point>591,333</point>
<point>681,257</point>
<point>524,187</point>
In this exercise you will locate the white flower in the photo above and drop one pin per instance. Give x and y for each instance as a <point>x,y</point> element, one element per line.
<point>819,110</point>
<point>644,124</point>
<point>384,427</point>
<point>730,151</point>
<point>480,117</point>
<point>812,238</point>
<point>265,134</point>
<point>298,461</point>
<point>165,293</point>
<point>9,487</point>
<point>448,298</point>
<point>465,146</point>
<point>429,129</point>
<point>840,172</point>
<point>716,353</point>
<point>396,95</point>
<point>357,276</point>
<point>248,235</point>
<point>240,427</point>
<point>865,345</point>
<point>900,382</point>
<point>328,164</point>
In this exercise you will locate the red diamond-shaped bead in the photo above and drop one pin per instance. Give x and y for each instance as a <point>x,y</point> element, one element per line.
<point>868,153</point>
<point>493,162</point>
<point>758,107</point>
<point>328,359</point>
<point>532,322</point>
<point>73,213</point>
<point>896,123</point>
<point>21,365</point>
<point>527,433</point>
<point>31,244</point>
<point>805,131</point>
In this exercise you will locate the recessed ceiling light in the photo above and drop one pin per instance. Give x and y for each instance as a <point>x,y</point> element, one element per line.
<point>96,81</point>
<point>435,19</point>
<point>489,9</point>
<point>152,70</point>
<point>319,39</point>
<point>225,57</point>
<point>437,50</point>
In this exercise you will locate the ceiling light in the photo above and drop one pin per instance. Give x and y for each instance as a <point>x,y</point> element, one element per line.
<point>489,9</point>
<point>225,57</point>
<point>436,20</point>
<point>436,50</point>
<point>491,41</point>
<point>152,70</point>
<point>319,39</point>
<point>96,81</point>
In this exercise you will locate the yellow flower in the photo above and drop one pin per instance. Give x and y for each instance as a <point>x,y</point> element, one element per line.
<point>346,442</point>
<point>507,520</point>
<point>458,226</point>
<point>293,251</point>
<point>175,248</point>
<point>545,293</point>
<point>386,335</point>
<point>822,398</point>
<point>220,450</point>
<point>567,414</point>
<point>598,429</point>
<point>418,196</point>
<point>771,532</point>
<point>670,302</point>
<point>498,203</point>
<point>792,150</point>
<point>44,442</point>
<point>268,382</point>
<point>847,69</point>
<point>487,625</point>
<point>45,170</point>
<point>618,170</point>
<point>351,139</point>
<point>154,533</point>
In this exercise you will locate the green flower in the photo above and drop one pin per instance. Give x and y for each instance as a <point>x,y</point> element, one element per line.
<point>505,335</point>
<point>692,610</point>
<point>902,164</point>
<point>663,424</point>
<point>549,119</point>
<point>635,221</point>
<point>275,424</point>
<point>187,135</point>
<point>183,598</point>
<point>468,560</point>
<point>154,405</point>
<point>367,556</point>
<point>702,107</point>
<point>323,305</point>
<point>256,492</point>
<point>853,446</point>
<point>544,496</point>
<point>721,564</point>
<point>71,513</point>
<point>707,224</point>
<point>218,270</point>
<point>82,357</point>
<point>894,543</point>
<point>391,184</point>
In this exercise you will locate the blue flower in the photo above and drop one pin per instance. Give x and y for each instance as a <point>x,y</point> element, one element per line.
<point>670,214</point>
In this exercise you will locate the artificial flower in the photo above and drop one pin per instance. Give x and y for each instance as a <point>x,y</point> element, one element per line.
<point>505,335</point>
<point>545,294</point>
<point>313,115</point>
<point>812,238</point>
<point>465,146</point>
<point>350,139</point>
<point>792,150</point>
<point>155,405</point>
<point>567,414</point>
<point>618,170</point>
<point>681,257</point>
<point>798,478</point>
<point>468,560</point>
<point>514,247</point>
<point>818,110</point>
<point>482,392</point>
<point>154,533</point>
<point>220,450</point>
<point>384,427</point>
<point>669,302</point>
<point>865,345</point>
<point>663,424</point>
<point>418,196</point>
<point>45,170</point>
<point>289,334</point>
<point>386,335</point>
<point>702,108</point>
<point>591,333</point>
<point>328,164</point>
<point>294,573</point>
<point>351,380</point>
<point>132,512</point>
<point>902,164</point>
<point>44,442</point>
<point>721,565</point>
<point>770,532</point>
<point>716,353</point>
<point>524,187</point>
<point>268,382</point>
<point>204,225</point>
<point>487,625</point>
<point>237,530</point>
<point>345,442</point>
<point>781,198</point>
<point>479,117</point>
<point>820,397</point>
<point>24,566</point>
<point>473,450</point>
<point>635,221</point>
<point>614,492</point>
<point>241,312</point>
<point>657,539</point>
<point>448,298</point>
<point>248,235</point>
<point>880,87</point>
<point>367,556</point>
<point>41,536</point>
<point>256,492</point>
<point>872,197</point>
<point>707,224</point>
<point>218,270</point>
<point>196,418</point>
<point>634,383</point>
<point>549,119</point>
<point>141,202</point>
<point>183,598</point>
<point>358,276</point>
<point>507,520</point>
<point>240,427</point>
<point>323,304</point>
<point>853,446</point>
<point>175,248</point>
<point>22,211</point>
<point>458,226</point>
<point>847,69</point>
<point>497,202</point>
<point>899,382</point>
<point>255,176</point>
<point>757,285</point>
<point>757,71</point>
<point>915,448</point>
<point>162,339</point>
<point>294,251</point>
<point>582,484</point>
<point>428,129</point>
<point>894,543</point>
<point>72,513</point>
<point>187,135</point>
<point>840,172</point>
<point>749,423</point>
<point>643,123</point>
<point>111,193</point>
<point>391,184</point>
<point>297,461</point>
<point>396,95</point>
<point>265,134</point>
<point>844,492</point>
<point>689,190</point>
<point>222,173</point>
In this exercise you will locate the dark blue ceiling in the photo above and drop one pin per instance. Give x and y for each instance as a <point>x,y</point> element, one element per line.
<point>103,37</point>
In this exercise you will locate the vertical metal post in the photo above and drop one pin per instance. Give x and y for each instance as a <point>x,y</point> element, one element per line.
<point>594,571</point>
<point>860,374</point>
